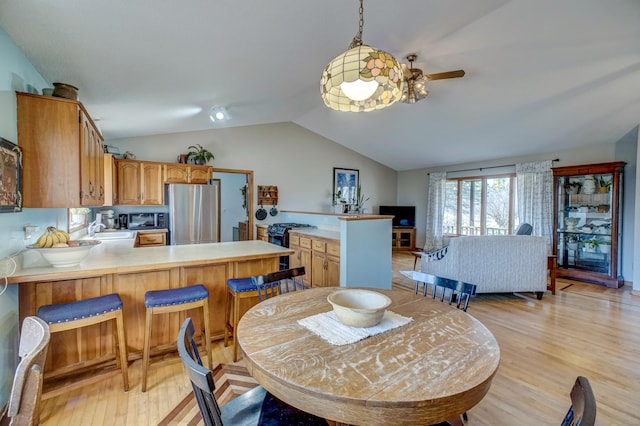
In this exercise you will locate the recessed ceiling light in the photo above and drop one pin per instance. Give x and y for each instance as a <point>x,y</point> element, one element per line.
<point>218,114</point>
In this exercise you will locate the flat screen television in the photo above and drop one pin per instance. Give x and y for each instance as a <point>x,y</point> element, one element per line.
<point>404,216</point>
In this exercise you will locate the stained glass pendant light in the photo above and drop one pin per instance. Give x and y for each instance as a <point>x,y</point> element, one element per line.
<point>361,79</point>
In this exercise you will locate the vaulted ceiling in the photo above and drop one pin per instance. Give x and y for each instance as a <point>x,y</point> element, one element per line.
<point>541,76</point>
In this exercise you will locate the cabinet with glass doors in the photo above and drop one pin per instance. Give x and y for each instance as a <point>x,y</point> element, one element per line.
<point>587,221</point>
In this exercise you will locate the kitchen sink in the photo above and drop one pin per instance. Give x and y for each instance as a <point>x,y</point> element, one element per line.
<point>113,235</point>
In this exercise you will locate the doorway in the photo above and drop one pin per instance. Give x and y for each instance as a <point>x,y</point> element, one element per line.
<point>236,202</point>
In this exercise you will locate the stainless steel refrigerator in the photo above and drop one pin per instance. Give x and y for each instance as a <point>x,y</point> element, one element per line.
<point>194,213</point>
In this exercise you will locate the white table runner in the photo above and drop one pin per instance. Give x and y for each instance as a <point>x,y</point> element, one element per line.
<point>327,326</point>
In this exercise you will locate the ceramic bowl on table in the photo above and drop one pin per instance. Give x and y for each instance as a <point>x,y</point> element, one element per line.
<point>359,308</point>
<point>60,257</point>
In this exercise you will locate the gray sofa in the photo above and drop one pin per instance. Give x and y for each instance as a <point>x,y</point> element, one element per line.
<point>495,264</point>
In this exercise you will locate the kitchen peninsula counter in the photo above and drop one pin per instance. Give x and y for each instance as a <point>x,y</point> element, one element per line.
<point>118,256</point>
<point>117,267</point>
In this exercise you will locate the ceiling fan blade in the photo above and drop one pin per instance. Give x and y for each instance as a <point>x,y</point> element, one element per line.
<point>443,75</point>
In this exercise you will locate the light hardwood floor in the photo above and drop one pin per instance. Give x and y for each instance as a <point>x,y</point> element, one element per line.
<point>584,330</point>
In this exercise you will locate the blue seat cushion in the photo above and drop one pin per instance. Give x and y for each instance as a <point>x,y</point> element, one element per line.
<point>175,296</point>
<point>63,312</point>
<point>241,284</point>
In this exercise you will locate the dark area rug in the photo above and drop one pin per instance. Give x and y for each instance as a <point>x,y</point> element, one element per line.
<point>230,380</point>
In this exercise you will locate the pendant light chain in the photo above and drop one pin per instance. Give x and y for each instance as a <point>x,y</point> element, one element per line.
<point>357,40</point>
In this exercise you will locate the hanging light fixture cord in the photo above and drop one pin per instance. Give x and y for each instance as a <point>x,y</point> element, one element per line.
<point>357,39</point>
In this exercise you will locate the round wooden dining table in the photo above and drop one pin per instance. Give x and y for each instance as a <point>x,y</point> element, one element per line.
<point>434,368</point>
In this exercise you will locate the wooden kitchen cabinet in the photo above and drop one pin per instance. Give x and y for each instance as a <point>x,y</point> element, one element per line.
<point>261,233</point>
<point>140,183</point>
<point>96,343</point>
<point>187,173</point>
<point>63,153</point>
<point>110,181</point>
<point>151,238</point>
<point>320,258</point>
<point>325,263</point>
<point>301,247</point>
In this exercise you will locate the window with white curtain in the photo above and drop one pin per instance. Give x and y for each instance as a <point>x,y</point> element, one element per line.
<point>484,205</point>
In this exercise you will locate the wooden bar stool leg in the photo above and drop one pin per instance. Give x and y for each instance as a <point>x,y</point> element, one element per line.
<point>147,346</point>
<point>227,317</point>
<point>207,331</point>
<point>236,320</point>
<point>122,348</point>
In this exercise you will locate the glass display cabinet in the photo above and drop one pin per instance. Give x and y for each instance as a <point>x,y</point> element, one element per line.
<point>587,219</point>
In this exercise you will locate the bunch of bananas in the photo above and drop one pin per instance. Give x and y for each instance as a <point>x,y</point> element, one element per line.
<point>52,237</point>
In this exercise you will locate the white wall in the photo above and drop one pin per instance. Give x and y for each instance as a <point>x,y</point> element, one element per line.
<point>412,186</point>
<point>300,163</point>
<point>16,74</point>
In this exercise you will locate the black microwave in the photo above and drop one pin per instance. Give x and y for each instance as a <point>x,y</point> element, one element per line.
<point>148,221</point>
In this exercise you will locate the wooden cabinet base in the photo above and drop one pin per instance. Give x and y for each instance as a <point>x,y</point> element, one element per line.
<point>94,343</point>
<point>403,238</point>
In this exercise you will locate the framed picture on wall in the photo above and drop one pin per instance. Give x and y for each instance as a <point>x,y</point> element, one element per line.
<point>345,185</point>
<point>10,177</point>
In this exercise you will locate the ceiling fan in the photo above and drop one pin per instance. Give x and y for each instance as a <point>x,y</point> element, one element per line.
<point>415,87</point>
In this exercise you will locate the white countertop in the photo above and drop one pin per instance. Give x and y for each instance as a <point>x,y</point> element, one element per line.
<point>315,232</point>
<point>113,256</point>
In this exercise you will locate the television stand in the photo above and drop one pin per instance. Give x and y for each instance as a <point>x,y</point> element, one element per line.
<point>403,238</point>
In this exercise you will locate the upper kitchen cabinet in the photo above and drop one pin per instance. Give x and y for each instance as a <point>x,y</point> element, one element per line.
<point>139,183</point>
<point>187,173</point>
<point>63,154</point>
<point>587,217</point>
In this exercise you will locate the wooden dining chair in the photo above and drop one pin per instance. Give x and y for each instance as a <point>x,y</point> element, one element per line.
<point>272,284</point>
<point>583,405</point>
<point>24,401</point>
<point>257,406</point>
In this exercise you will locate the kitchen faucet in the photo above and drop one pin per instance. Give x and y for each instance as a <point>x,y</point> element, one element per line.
<point>95,225</point>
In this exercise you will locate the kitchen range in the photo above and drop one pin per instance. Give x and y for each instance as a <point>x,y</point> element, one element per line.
<point>279,235</point>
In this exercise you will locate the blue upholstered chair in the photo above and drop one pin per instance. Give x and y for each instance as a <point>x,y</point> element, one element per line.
<point>237,290</point>
<point>174,300</point>
<point>524,229</point>
<point>82,313</point>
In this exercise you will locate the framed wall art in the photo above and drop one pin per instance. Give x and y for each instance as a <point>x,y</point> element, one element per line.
<point>345,185</point>
<point>10,177</point>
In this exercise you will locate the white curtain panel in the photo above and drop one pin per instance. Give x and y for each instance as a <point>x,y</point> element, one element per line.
<point>435,211</point>
<point>535,197</point>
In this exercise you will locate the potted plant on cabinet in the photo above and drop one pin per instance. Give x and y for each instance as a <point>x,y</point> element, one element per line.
<point>591,245</point>
<point>339,204</point>
<point>199,155</point>
<point>605,246</point>
<point>360,200</point>
<point>604,184</point>
<point>572,241</point>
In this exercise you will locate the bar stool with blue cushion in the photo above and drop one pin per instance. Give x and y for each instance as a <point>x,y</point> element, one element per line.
<point>174,300</point>
<point>82,313</point>
<point>237,289</point>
